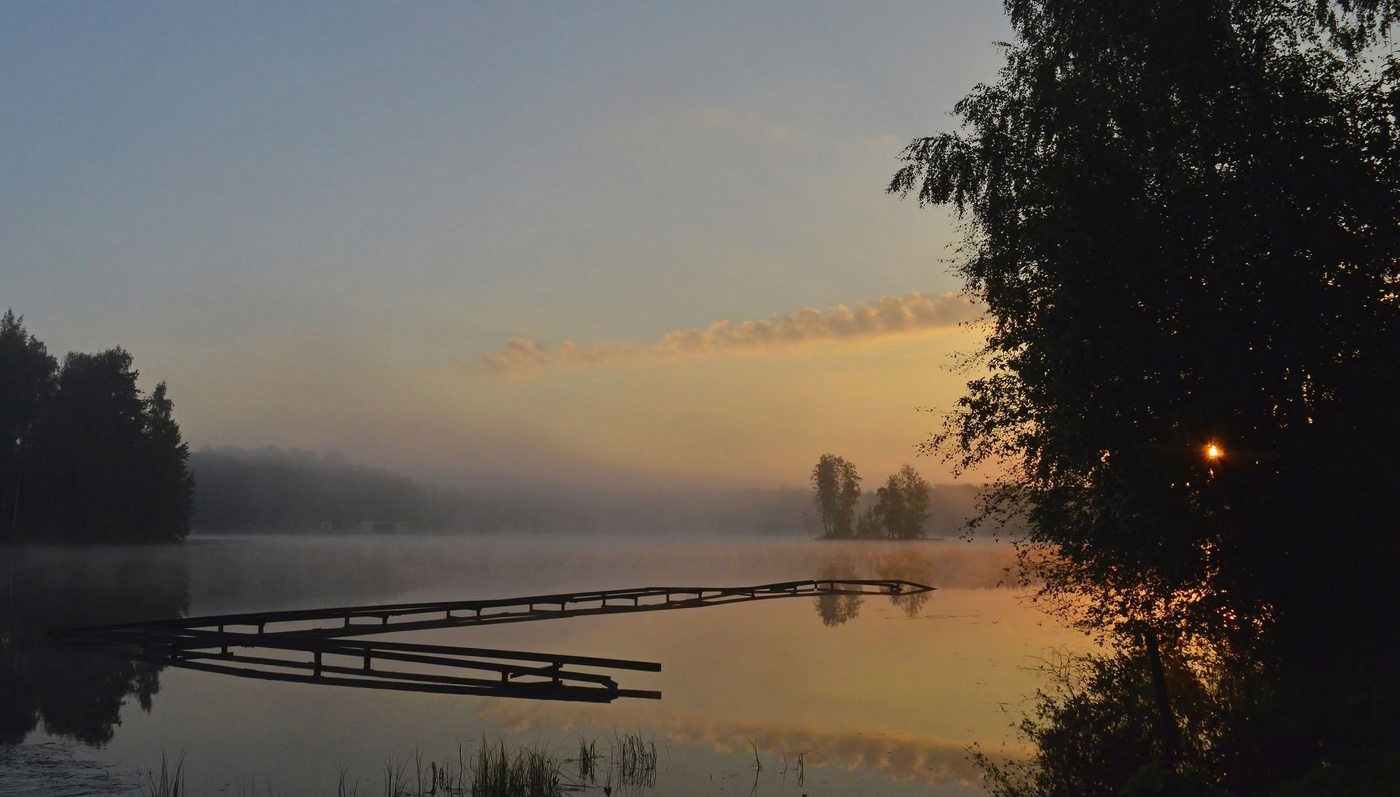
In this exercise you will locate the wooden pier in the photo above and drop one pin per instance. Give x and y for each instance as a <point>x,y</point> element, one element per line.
<point>331,646</point>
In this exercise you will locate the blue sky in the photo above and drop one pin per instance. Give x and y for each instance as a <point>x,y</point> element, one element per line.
<point>314,221</point>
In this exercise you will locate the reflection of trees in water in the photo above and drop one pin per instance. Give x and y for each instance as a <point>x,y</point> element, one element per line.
<point>1097,725</point>
<point>914,562</point>
<point>76,693</point>
<point>906,563</point>
<point>1241,722</point>
<point>1092,731</point>
<point>838,609</point>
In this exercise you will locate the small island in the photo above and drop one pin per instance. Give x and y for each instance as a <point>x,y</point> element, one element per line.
<point>899,513</point>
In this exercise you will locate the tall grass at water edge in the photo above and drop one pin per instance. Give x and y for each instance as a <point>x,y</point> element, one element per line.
<point>490,770</point>
<point>169,783</point>
<point>497,769</point>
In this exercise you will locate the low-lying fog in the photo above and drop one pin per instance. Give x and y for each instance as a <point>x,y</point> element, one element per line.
<point>287,490</point>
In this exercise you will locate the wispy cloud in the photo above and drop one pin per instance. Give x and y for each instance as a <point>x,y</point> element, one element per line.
<point>885,317</point>
<point>748,123</point>
<point>726,119</point>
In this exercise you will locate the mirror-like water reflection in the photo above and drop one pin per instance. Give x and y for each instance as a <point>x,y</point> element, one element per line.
<point>878,696</point>
<point>77,694</point>
<point>348,645</point>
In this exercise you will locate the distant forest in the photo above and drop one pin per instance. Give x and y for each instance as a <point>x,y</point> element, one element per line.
<point>276,490</point>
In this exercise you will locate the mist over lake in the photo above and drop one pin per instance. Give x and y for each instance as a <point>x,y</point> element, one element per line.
<point>976,398</point>
<point>876,696</point>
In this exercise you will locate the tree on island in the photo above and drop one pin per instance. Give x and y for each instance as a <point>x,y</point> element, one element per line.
<point>903,505</point>
<point>86,458</point>
<point>837,487</point>
<point>1184,220</point>
<point>899,512</point>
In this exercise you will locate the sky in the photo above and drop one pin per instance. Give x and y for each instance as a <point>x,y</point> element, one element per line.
<point>501,243</point>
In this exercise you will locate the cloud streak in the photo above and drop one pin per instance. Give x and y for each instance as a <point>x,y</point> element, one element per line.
<point>888,316</point>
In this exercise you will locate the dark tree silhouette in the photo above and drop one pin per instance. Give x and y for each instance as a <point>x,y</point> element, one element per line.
<point>87,458</point>
<point>26,382</point>
<point>1184,220</point>
<point>837,488</point>
<point>902,505</point>
<point>167,498</point>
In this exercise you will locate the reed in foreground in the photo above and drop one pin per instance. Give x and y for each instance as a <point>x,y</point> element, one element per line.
<point>170,782</point>
<point>634,760</point>
<point>520,772</point>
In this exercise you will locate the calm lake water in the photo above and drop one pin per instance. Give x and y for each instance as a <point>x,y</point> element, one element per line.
<point>876,698</point>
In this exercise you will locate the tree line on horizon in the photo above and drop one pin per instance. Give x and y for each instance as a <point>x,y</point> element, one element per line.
<point>89,458</point>
<point>288,490</point>
<point>85,456</point>
<point>899,512</point>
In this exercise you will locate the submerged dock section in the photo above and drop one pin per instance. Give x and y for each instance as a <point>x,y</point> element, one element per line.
<point>342,646</point>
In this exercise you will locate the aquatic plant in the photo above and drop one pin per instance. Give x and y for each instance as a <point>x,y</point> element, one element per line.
<point>587,762</point>
<point>492,769</point>
<point>633,760</point>
<point>170,782</point>
<point>520,772</point>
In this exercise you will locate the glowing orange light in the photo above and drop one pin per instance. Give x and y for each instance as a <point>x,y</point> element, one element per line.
<point>1213,451</point>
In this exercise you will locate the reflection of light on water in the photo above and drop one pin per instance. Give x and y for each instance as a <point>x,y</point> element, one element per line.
<point>939,565</point>
<point>929,759</point>
<point>882,694</point>
<point>882,697</point>
<point>901,689</point>
<point>36,766</point>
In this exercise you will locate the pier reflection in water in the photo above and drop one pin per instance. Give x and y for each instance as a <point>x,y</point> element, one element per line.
<point>313,646</point>
<point>884,703</point>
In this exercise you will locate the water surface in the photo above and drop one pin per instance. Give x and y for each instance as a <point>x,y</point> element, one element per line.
<point>876,696</point>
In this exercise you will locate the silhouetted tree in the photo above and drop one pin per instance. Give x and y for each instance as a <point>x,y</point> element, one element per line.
<point>870,524</point>
<point>827,489</point>
<point>903,505</point>
<point>27,374</point>
<point>85,456</point>
<point>837,487</point>
<point>167,497</point>
<point>1184,223</point>
<point>1184,220</point>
